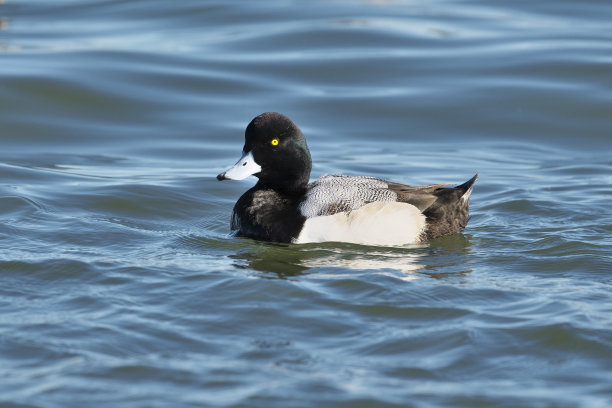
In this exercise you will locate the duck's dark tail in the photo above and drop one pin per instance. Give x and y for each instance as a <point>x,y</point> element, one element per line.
<point>449,213</point>
<point>467,186</point>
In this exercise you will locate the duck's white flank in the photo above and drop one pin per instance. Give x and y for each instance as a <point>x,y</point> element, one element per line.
<point>377,223</point>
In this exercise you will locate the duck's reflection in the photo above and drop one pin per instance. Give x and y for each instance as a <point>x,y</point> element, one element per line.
<point>449,256</point>
<point>292,260</point>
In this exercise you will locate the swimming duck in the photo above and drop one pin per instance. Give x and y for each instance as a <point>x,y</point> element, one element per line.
<point>284,207</point>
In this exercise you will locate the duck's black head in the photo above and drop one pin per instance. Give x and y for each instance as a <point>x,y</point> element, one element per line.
<point>275,151</point>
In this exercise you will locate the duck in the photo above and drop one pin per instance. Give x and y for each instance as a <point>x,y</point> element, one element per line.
<point>284,206</point>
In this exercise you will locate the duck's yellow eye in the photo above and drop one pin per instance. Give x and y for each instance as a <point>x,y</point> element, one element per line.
<point>274,142</point>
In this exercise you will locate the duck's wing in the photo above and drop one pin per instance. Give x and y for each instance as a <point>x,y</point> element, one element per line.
<point>422,197</point>
<point>337,193</point>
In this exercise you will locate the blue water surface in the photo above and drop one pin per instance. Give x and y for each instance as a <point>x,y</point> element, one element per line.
<point>122,285</point>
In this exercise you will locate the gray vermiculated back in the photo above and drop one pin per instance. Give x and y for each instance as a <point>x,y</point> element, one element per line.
<point>335,193</point>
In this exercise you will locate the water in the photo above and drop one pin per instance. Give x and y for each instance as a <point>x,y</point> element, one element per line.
<point>121,285</point>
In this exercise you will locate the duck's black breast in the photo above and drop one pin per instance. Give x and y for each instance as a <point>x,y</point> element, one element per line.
<point>267,214</point>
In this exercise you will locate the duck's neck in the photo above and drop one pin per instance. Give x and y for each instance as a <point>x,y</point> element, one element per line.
<point>291,176</point>
<point>286,187</point>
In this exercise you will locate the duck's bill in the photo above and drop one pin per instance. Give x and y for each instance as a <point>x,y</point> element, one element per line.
<point>245,167</point>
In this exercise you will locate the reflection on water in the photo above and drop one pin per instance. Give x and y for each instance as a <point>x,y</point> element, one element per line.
<point>291,260</point>
<point>362,259</point>
<point>451,254</point>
